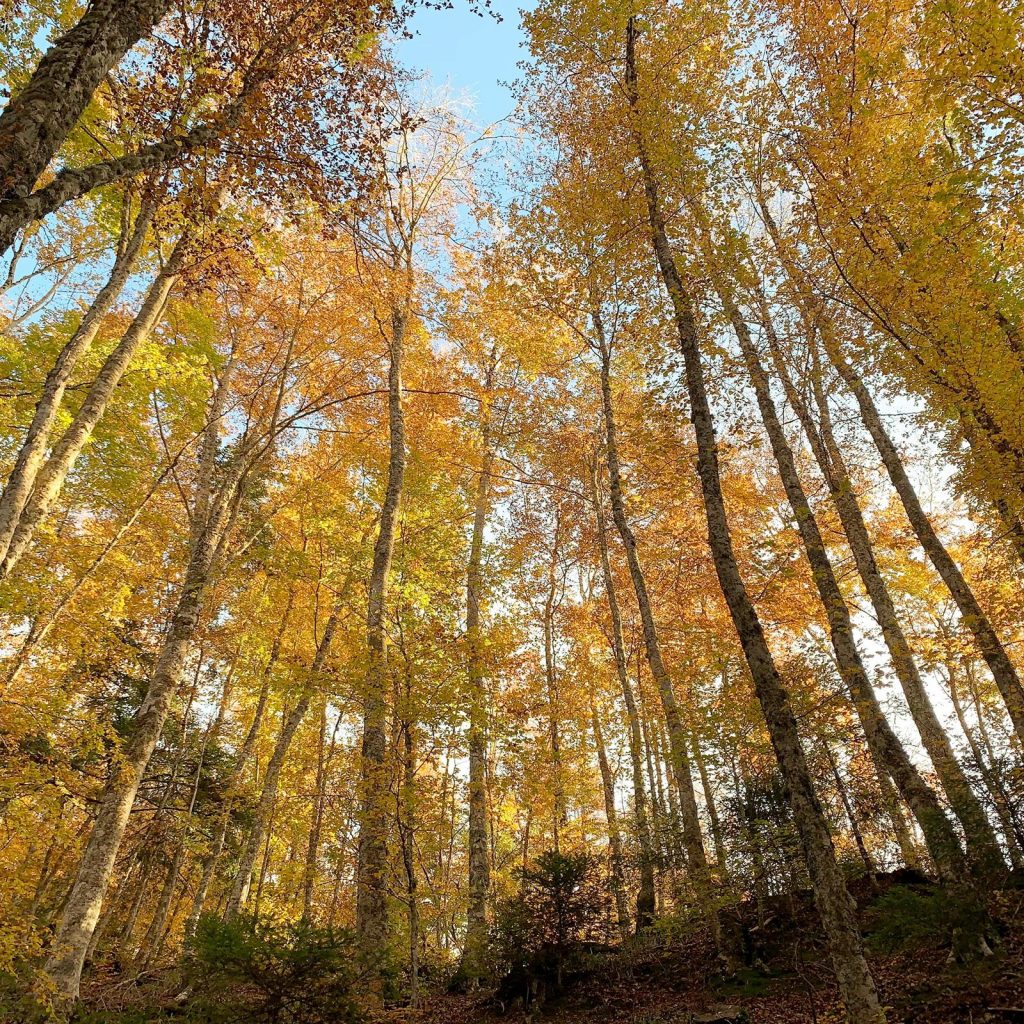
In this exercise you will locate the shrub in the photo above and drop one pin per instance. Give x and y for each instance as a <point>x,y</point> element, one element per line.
<point>294,973</point>
<point>545,929</point>
<point>909,917</point>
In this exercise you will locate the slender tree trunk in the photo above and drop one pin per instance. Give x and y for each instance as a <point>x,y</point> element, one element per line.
<point>694,841</point>
<point>147,949</point>
<point>618,881</point>
<point>998,661</point>
<point>851,815</point>
<point>837,910</point>
<point>645,896</point>
<point>81,912</point>
<point>980,838</point>
<point>49,480</point>
<point>371,896</point>
<point>884,744</point>
<point>265,862</point>
<point>272,777</point>
<point>479,856</point>
<point>709,800</point>
<point>551,679</point>
<point>658,814</point>
<point>38,119</point>
<point>124,936</point>
<point>32,452</point>
<point>408,802</point>
<point>316,823</point>
<point>1003,672</point>
<point>992,783</point>
<point>241,760</point>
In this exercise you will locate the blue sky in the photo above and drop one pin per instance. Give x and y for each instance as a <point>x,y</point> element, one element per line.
<point>475,53</point>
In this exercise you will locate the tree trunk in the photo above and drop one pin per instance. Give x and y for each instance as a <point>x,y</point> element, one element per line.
<point>709,800</point>
<point>645,896</point>
<point>618,881</point>
<point>241,760</point>
<point>371,896</point>
<point>479,856</point>
<point>32,452</point>
<point>998,661</point>
<point>694,841</point>
<point>884,744</point>
<point>38,119</point>
<point>81,912</point>
<point>272,777</point>
<point>851,815</point>
<point>856,986</point>
<point>154,932</point>
<point>408,803</point>
<point>323,759</point>
<point>994,785</point>
<point>981,842</point>
<point>559,809</point>
<point>1002,669</point>
<point>50,479</point>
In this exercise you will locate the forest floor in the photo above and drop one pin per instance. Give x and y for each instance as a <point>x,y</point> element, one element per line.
<point>679,979</point>
<point>682,982</point>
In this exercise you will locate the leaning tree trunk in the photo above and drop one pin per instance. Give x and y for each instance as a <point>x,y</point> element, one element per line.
<point>993,783</point>
<point>645,897</point>
<point>272,776</point>
<point>241,760</point>
<point>1003,672</point>
<point>886,748</point>
<point>371,890</point>
<point>39,118</point>
<point>82,909</point>
<point>998,661</point>
<point>838,914</point>
<point>50,479</point>
<point>851,814</point>
<point>32,452</point>
<point>981,842</point>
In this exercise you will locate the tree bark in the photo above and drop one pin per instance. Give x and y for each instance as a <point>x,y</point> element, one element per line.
<point>371,894</point>
<point>1003,672</point>
<point>559,810</point>
<point>32,452</point>
<point>81,912</point>
<point>618,880</point>
<point>241,760</point>
<point>851,815</point>
<point>885,746</point>
<point>856,985</point>
<point>694,841</point>
<point>38,119</point>
<point>709,801</point>
<point>50,478</point>
<point>479,855</point>
<point>272,777</point>
<point>981,843</point>
<point>645,897</point>
<point>316,825</point>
